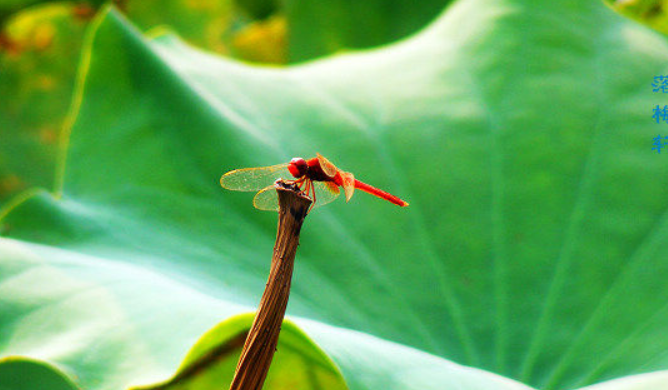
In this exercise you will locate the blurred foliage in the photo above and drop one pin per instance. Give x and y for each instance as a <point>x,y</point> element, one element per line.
<point>40,43</point>
<point>321,27</point>
<point>651,12</point>
<point>262,41</point>
<point>37,72</point>
<point>210,24</point>
<point>40,49</point>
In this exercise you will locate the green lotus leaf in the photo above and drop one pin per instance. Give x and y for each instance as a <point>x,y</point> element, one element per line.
<point>530,257</point>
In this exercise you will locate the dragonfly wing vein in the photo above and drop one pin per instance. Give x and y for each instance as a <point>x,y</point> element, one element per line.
<point>254,179</point>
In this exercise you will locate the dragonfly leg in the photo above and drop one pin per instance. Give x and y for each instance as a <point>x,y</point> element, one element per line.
<point>313,203</point>
<point>297,182</point>
<point>308,190</point>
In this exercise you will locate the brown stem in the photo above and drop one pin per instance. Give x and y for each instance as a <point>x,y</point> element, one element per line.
<point>263,336</point>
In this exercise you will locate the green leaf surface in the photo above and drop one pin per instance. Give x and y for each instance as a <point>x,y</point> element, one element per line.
<point>26,374</point>
<point>323,27</point>
<point>211,362</point>
<point>38,67</point>
<point>519,131</point>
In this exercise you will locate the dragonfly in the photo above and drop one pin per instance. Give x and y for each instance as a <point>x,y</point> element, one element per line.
<point>316,177</point>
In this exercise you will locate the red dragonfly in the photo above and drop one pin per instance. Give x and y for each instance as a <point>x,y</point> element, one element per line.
<point>316,175</point>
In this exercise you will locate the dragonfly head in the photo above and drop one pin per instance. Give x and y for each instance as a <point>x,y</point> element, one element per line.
<point>298,167</point>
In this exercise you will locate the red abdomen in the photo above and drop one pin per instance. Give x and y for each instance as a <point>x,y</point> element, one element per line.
<point>379,193</point>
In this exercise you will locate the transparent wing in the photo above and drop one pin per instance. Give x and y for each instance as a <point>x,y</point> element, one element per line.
<point>327,167</point>
<point>254,179</point>
<point>348,184</point>
<point>325,192</point>
<point>266,199</point>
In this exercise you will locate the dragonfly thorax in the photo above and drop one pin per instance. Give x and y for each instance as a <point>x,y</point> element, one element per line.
<point>298,167</point>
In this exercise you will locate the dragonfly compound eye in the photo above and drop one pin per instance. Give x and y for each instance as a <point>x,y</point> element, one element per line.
<point>298,167</point>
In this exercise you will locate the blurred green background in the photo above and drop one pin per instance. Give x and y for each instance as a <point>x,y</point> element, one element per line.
<point>40,44</point>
